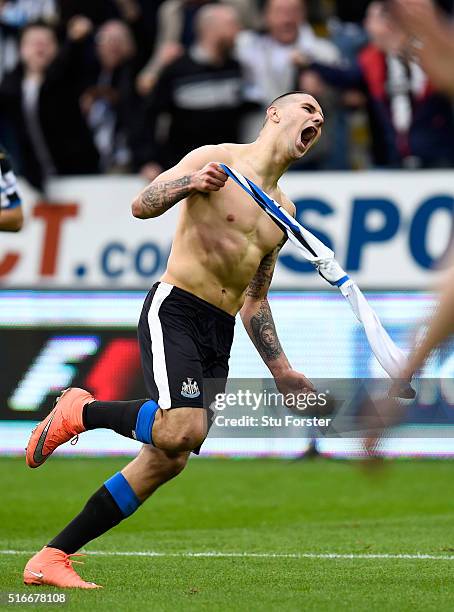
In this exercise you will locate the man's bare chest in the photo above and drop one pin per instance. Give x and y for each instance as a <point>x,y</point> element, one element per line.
<point>234,212</point>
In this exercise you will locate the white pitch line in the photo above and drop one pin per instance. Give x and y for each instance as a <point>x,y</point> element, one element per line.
<point>252,555</point>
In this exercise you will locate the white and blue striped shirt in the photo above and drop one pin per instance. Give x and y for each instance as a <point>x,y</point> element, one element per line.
<point>9,196</point>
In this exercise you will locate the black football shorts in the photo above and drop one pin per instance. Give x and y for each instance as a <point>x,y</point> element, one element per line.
<point>184,341</point>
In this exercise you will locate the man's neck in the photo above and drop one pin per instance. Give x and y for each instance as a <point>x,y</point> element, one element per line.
<point>267,161</point>
<point>34,73</point>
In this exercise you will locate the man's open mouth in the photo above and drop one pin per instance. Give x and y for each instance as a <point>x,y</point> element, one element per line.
<point>308,135</point>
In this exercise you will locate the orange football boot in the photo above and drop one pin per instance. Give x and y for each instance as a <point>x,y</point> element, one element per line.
<point>54,567</point>
<point>60,425</point>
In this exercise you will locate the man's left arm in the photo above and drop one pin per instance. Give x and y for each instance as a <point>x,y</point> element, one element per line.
<point>258,321</point>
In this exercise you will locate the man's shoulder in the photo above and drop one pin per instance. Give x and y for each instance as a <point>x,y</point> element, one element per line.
<point>218,153</point>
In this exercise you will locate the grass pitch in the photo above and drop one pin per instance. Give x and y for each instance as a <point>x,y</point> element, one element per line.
<point>279,509</point>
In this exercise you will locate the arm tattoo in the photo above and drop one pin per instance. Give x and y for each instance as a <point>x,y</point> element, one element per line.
<point>159,197</point>
<point>262,279</point>
<point>263,276</point>
<point>264,332</point>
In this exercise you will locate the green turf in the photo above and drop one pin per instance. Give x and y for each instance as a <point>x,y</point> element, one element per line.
<point>247,506</point>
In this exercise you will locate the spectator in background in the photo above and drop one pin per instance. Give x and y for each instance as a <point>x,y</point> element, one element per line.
<point>41,100</point>
<point>176,32</point>
<point>11,218</point>
<point>345,28</point>
<point>14,15</point>
<point>110,105</point>
<point>270,63</point>
<point>101,11</point>
<point>411,124</point>
<point>201,91</point>
<point>268,58</point>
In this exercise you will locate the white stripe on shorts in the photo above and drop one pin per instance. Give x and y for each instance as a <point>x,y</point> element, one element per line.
<point>157,345</point>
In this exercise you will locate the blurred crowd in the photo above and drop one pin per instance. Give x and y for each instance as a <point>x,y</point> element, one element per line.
<point>118,86</point>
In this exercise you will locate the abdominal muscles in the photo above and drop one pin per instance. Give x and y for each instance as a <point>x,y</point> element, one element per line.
<point>216,264</point>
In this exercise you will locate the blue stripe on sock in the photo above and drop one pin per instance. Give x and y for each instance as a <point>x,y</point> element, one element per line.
<point>145,420</point>
<point>121,491</point>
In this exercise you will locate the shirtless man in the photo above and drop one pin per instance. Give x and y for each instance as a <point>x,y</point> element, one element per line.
<point>222,261</point>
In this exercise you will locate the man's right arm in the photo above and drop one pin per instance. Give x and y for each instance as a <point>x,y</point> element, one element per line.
<point>194,173</point>
<point>11,220</point>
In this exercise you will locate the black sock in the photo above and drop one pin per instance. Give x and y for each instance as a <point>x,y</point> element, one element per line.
<point>119,416</point>
<point>100,514</point>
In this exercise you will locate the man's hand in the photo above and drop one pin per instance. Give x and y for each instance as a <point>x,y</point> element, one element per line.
<point>79,27</point>
<point>210,178</point>
<point>291,383</point>
<point>147,78</point>
<point>300,59</point>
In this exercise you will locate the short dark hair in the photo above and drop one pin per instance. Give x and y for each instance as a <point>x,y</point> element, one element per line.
<point>289,93</point>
